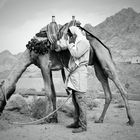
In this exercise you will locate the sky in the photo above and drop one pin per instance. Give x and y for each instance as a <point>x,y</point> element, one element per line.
<point>21,19</point>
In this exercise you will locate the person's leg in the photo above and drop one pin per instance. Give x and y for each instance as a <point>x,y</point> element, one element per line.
<point>76,112</point>
<point>80,100</point>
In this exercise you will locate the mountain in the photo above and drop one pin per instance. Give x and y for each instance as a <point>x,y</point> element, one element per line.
<point>7,60</point>
<point>121,33</point>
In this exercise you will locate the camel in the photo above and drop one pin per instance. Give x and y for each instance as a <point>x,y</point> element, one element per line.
<point>40,54</point>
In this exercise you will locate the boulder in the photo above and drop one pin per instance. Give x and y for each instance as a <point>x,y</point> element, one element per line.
<point>17,103</point>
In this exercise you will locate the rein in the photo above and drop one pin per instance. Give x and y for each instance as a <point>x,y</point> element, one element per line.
<point>96,39</point>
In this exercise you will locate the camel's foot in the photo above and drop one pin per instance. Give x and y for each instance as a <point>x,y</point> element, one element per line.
<point>99,121</point>
<point>130,122</point>
<point>52,119</point>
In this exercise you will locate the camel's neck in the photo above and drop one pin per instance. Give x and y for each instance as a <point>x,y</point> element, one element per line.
<point>59,59</point>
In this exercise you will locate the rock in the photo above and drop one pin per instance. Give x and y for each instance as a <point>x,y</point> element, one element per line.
<point>17,103</point>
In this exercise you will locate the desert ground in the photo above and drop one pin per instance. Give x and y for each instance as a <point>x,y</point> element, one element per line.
<point>113,128</point>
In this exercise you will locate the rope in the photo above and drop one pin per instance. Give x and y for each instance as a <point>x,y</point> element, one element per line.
<point>39,120</point>
<point>96,39</point>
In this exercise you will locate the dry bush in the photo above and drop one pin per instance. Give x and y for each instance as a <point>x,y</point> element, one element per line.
<point>119,103</point>
<point>38,108</point>
<point>68,108</point>
<point>91,103</point>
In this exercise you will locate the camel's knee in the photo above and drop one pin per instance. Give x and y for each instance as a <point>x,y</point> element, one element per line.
<point>47,96</point>
<point>110,73</point>
<point>124,96</point>
<point>53,98</point>
<point>108,99</point>
<point>120,87</point>
<point>110,70</point>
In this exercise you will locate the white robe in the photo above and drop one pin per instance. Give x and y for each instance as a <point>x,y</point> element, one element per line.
<point>77,80</point>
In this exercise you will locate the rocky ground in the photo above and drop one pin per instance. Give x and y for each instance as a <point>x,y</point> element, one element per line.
<point>113,128</point>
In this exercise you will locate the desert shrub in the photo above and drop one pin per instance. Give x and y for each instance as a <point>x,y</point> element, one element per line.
<point>119,103</point>
<point>68,108</point>
<point>127,85</point>
<point>38,108</point>
<point>91,103</point>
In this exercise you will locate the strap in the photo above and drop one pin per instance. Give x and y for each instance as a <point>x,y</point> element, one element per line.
<point>96,39</point>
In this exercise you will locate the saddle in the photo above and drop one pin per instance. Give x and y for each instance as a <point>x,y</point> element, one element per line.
<point>52,30</point>
<point>48,32</point>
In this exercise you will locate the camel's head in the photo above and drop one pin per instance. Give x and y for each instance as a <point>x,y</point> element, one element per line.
<point>64,33</point>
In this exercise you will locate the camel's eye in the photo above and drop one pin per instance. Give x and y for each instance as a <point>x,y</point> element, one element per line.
<point>87,34</point>
<point>69,33</point>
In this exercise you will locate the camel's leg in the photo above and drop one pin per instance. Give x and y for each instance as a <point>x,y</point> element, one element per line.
<point>108,96</point>
<point>45,67</point>
<point>118,84</point>
<point>63,75</point>
<point>110,71</point>
<point>64,79</point>
<point>53,98</point>
<point>9,84</point>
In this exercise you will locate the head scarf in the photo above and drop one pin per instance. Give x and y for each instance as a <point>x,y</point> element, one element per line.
<point>77,31</point>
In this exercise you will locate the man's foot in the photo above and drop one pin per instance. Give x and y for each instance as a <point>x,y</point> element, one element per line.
<point>79,130</point>
<point>73,125</point>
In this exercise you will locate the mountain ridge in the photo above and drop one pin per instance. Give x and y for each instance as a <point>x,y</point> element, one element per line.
<point>120,32</point>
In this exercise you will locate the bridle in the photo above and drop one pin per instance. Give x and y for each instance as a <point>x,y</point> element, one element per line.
<point>96,39</point>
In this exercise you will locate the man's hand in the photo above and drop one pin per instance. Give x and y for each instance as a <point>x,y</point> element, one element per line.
<point>72,39</point>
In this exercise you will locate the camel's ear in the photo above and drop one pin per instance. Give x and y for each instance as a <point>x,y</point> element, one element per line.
<point>83,32</point>
<point>69,33</point>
